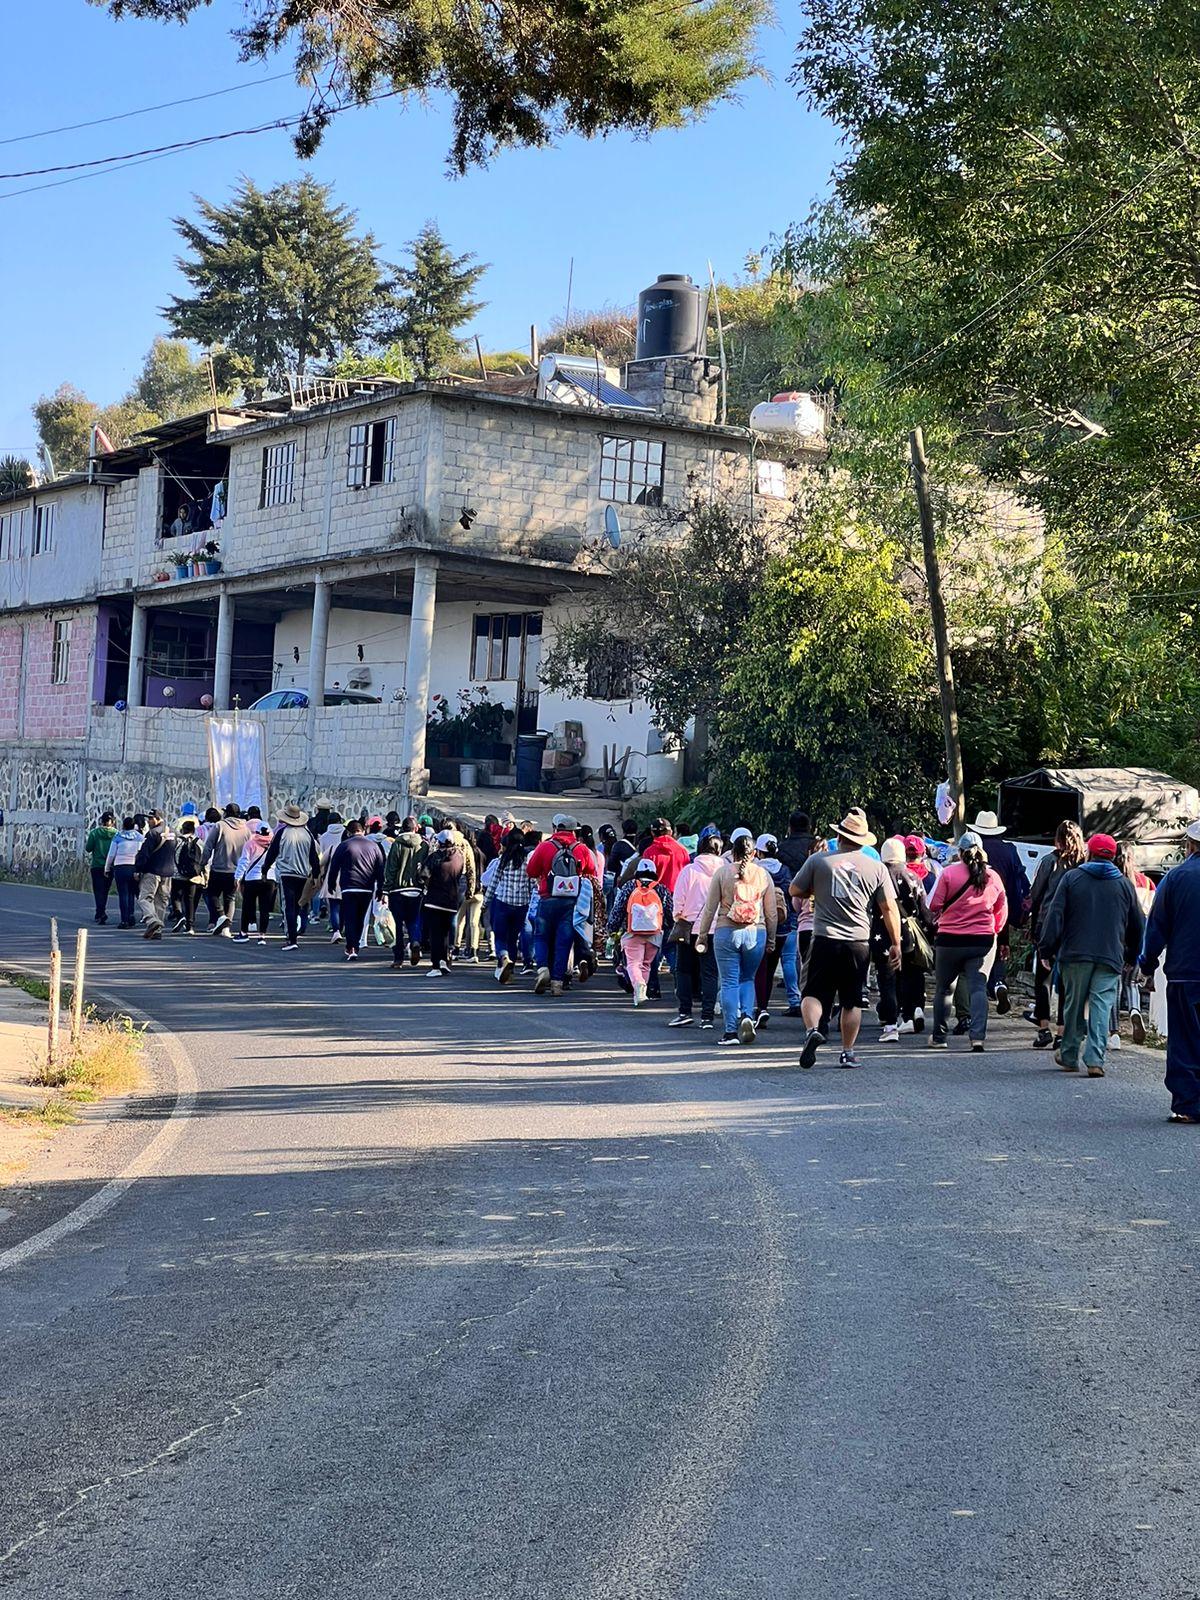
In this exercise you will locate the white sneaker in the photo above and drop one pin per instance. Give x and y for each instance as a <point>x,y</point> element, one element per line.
<point>906,1027</point>
<point>639,993</point>
<point>336,938</point>
<point>434,972</point>
<point>1114,1041</point>
<point>890,1034</point>
<point>446,968</point>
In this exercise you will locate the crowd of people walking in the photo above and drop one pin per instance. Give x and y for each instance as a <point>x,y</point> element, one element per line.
<point>919,928</point>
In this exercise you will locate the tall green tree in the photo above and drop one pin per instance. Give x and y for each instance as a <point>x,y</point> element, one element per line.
<point>64,422</point>
<point>516,74</point>
<point>432,301</point>
<point>172,382</point>
<point>280,279</point>
<point>1024,184</point>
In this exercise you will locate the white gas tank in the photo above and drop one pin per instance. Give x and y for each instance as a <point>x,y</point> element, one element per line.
<point>788,413</point>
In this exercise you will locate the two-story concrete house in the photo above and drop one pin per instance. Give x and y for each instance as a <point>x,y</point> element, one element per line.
<point>403,541</point>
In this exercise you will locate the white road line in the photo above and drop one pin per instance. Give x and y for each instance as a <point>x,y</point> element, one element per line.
<point>151,1157</point>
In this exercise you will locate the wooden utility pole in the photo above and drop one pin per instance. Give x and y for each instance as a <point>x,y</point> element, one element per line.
<point>55,1000</point>
<point>937,607</point>
<point>77,988</point>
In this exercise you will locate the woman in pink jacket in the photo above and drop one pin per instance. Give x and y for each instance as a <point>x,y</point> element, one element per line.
<point>969,907</point>
<point>695,970</point>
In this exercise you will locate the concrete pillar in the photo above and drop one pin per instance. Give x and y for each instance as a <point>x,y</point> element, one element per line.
<point>414,773</point>
<point>137,655</point>
<point>224,652</point>
<point>318,645</point>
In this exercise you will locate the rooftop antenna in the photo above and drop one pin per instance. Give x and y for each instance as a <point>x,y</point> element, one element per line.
<point>570,287</point>
<point>716,298</point>
<point>535,354</point>
<point>479,353</point>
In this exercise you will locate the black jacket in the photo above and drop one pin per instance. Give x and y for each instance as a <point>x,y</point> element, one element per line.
<point>445,867</point>
<point>156,855</point>
<point>356,866</point>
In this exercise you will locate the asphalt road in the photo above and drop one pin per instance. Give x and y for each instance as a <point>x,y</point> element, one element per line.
<point>444,1291</point>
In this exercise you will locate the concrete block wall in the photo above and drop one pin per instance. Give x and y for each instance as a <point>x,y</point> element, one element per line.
<point>325,516</point>
<point>118,561</point>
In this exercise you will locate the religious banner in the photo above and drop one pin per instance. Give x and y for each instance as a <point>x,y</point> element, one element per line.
<point>237,761</point>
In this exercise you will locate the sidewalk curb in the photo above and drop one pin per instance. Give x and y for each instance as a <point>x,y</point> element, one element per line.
<point>95,1206</point>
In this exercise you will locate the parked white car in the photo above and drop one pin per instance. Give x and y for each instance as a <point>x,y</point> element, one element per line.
<point>297,699</point>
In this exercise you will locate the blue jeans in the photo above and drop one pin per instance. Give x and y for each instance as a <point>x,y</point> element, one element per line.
<point>787,965</point>
<point>1087,985</point>
<point>739,952</point>
<point>552,935</point>
<point>126,894</point>
<point>507,922</point>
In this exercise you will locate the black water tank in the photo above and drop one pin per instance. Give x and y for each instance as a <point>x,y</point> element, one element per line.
<point>670,318</point>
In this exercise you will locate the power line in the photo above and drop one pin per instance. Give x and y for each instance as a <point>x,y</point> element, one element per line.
<point>142,111</point>
<point>1040,270</point>
<point>154,150</point>
<point>135,158</point>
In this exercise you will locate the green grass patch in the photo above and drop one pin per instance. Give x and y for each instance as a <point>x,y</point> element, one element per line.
<point>37,987</point>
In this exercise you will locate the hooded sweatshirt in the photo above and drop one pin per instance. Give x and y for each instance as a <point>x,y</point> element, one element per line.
<point>122,852</point>
<point>691,890</point>
<point>405,869</point>
<point>223,845</point>
<point>1093,916</point>
<point>357,866</point>
<point>250,862</point>
<point>156,857</point>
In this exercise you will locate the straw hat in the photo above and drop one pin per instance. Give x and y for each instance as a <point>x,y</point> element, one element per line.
<point>293,816</point>
<point>988,824</point>
<point>853,826</point>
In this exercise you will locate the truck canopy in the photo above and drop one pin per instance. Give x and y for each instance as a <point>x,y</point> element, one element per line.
<point>1135,804</point>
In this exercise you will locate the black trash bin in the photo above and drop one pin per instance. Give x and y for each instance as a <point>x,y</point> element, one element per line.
<point>530,747</point>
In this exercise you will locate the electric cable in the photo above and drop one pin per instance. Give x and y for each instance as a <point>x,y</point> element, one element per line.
<point>142,111</point>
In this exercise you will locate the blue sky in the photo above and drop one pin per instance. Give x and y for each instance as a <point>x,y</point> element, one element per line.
<point>86,266</point>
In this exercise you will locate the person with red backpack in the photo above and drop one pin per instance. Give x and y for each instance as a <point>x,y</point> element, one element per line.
<point>557,866</point>
<point>642,915</point>
<point>742,909</point>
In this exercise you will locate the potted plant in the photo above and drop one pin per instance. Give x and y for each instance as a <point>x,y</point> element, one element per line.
<point>181,566</point>
<point>483,723</point>
<point>211,551</point>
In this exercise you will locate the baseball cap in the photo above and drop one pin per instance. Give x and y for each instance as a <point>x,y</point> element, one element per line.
<point>740,833</point>
<point>1103,846</point>
<point>646,868</point>
<point>765,841</point>
<point>709,831</point>
<point>970,841</point>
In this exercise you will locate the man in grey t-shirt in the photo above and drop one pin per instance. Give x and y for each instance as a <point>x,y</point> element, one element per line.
<point>846,888</point>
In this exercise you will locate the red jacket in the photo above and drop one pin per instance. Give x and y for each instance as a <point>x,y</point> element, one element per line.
<point>538,865</point>
<point>669,856</point>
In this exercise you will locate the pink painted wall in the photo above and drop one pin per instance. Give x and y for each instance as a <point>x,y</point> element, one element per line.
<point>58,710</point>
<point>10,675</point>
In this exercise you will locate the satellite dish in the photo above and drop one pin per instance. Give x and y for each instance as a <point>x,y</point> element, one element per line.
<point>612,526</point>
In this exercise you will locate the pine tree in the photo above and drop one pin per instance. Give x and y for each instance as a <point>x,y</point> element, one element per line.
<point>514,74</point>
<point>432,299</point>
<point>281,280</point>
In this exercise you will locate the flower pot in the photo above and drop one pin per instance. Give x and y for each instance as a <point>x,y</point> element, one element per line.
<point>212,567</point>
<point>181,572</point>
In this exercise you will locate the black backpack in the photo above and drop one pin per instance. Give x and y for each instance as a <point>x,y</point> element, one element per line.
<point>187,858</point>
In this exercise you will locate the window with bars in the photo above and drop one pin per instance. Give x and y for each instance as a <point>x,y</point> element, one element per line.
<point>60,654</point>
<point>372,445</point>
<point>44,518</point>
<point>610,671</point>
<point>770,480</point>
<point>278,474</point>
<point>631,471</point>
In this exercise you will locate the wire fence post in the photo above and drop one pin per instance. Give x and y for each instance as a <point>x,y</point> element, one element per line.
<point>55,997</point>
<point>77,988</point>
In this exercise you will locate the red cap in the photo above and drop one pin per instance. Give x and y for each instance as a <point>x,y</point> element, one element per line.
<point>1102,845</point>
<point>914,846</point>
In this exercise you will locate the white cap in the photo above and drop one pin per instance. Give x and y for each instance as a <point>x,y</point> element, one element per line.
<point>740,833</point>
<point>765,841</point>
<point>445,836</point>
<point>1193,832</point>
<point>645,865</point>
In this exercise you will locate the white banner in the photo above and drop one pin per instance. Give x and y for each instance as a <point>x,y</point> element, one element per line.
<point>237,761</point>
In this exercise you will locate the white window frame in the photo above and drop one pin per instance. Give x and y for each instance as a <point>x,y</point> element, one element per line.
<point>45,519</point>
<point>770,479</point>
<point>12,534</point>
<point>277,484</point>
<point>60,652</point>
<point>370,456</point>
<point>632,470</point>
